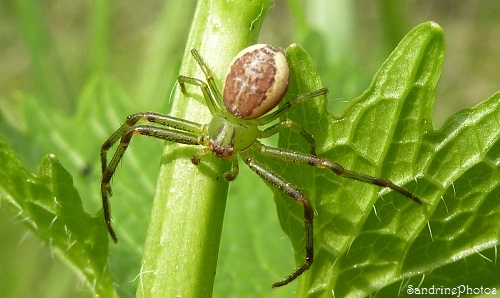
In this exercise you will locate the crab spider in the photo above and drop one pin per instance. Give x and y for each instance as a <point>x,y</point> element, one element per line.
<point>256,82</point>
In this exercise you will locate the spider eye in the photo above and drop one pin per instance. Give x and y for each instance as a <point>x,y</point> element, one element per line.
<point>257,80</point>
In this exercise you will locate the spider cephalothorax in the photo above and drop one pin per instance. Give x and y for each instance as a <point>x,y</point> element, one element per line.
<point>256,82</point>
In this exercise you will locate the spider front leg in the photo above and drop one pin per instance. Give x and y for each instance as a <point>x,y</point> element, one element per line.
<point>169,129</point>
<point>211,93</point>
<point>205,89</point>
<point>319,162</point>
<point>280,183</point>
<point>208,75</point>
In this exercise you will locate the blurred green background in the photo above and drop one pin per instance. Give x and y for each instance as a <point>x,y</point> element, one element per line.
<point>348,41</point>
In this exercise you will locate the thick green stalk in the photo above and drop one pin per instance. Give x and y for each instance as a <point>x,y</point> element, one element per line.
<point>182,244</point>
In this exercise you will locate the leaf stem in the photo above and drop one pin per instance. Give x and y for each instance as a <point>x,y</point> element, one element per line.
<point>182,244</point>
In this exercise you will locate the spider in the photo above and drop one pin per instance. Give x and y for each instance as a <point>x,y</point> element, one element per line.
<point>256,82</point>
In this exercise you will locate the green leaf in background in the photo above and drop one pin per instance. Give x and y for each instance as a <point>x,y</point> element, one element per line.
<point>103,106</point>
<point>50,205</point>
<point>367,238</point>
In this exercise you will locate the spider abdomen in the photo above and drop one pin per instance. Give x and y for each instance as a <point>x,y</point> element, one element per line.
<point>256,82</point>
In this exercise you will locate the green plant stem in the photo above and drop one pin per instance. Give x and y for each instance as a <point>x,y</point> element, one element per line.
<point>158,70</point>
<point>182,244</point>
<point>100,36</point>
<point>49,76</point>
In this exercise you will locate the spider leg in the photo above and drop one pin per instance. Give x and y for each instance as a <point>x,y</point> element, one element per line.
<point>210,91</point>
<point>319,162</point>
<point>205,89</point>
<point>209,76</point>
<point>274,129</point>
<point>280,183</point>
<point>160,119</point>
<point>229,176</point>
<point>181,131</point>
<point>289,104</point>
<point>233,173</point>
<point>196,158</point>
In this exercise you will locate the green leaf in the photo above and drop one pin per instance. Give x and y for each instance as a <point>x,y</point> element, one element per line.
<point>103,106</point>
<point>50,205</point>
<point>367,238</point>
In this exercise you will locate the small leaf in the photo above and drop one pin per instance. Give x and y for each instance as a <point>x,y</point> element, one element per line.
<point>52,208</point>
